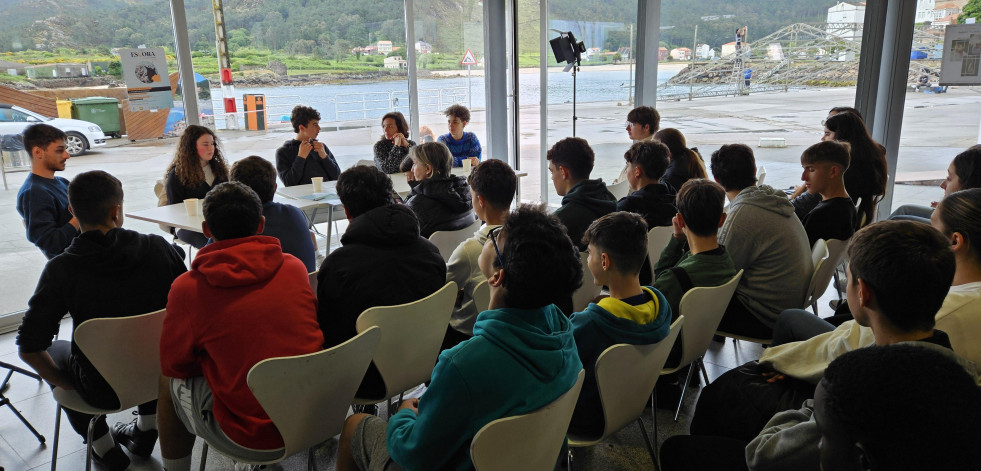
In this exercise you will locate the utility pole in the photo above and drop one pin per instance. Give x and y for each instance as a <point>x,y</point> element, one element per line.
<point>630,61</point>
<point>691,68</point>
<point>224,67</point>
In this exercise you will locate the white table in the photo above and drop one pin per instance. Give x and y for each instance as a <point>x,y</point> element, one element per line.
<point>176,214</point>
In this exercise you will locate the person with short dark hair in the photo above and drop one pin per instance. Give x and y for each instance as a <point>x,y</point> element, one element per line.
<point>642,123</point>
<point>871,400</point>
<point>834,217</point>
<point>570,161</point>
<point>42,200</point>
<point>243,301</point>
<point>765,239</point>
<point>284,222</point>
<point>652,199</point>
<point>522,356</point>
<point>492,186</point>
<point>684,163</point>
<point>107,271</point>
<point>198,166</point>
<point>383,261</point>
<point>292,162</point>
<point>394,144</point>
<point>440,199</point>
<point>631,314</point>
<point>462,145</point>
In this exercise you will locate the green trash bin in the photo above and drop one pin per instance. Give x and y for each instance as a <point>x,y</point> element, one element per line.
<point>100,110</point>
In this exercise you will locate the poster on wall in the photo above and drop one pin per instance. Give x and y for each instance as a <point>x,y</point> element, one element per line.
<point>962,55</point>
<point>147,81</point>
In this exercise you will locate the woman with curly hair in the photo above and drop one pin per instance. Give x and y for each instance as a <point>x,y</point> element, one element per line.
<point>197,166</point>
<point>394,144</point>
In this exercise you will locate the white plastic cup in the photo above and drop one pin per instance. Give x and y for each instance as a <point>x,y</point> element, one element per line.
<point>467,164</point>
<point>318,184</point>
<point>192,205</point>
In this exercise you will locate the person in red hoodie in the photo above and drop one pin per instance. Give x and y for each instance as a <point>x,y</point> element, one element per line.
<point>243,301</point>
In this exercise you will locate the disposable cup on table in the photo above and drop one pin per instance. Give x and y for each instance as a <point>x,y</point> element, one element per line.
<point>193,206</point>
<point>466,166</point>
<point>318,184</point>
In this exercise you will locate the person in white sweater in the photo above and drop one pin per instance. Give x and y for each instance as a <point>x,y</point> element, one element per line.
<point>492,186</point>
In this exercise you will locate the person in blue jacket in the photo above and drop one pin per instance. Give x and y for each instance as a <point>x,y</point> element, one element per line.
<point>632,314</point>
<point>463,145</point>
<point>42,201</point>
<point>522,356</point>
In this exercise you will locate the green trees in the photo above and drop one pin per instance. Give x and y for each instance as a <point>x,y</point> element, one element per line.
<point>971,10</point>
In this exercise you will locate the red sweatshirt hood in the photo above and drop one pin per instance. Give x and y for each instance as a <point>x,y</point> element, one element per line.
<point>239,262</point>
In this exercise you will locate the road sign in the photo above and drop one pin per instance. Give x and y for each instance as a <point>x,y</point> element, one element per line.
<point>469,59</point>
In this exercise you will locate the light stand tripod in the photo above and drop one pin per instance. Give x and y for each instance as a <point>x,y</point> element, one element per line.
<point>566,49</point>
<point>4,401</point>
<point>575,69</point>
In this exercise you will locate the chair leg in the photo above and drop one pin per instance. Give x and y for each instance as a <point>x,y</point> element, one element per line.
<point>569,460</point>
<point>88,445</point>
<point>814,307</point>
<point>647,441</point>
<point>684,387</point>
<point>204,456</point>
<point>54,449</point>
<point>654,414</point>
<point>701,364</point>
<point>310,466</point>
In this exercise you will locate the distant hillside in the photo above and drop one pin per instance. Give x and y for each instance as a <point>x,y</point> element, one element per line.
<point>327,28</point>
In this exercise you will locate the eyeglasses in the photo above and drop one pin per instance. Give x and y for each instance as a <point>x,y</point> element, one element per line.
<point>493,237</point>
<point>628,124</point>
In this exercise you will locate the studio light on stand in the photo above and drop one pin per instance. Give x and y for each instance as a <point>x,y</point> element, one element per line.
<point>566,49</point>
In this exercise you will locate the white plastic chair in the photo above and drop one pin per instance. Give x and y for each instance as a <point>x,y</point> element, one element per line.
<point>702,308</point>
<point>447,241</point>
<point>625,376</point>
<point>619,189</point>
<point>827,270</point>
<point>530,441</point>
<point>307,396</point>
<point>588,291</point>
<point>481,296</point>
<point>365,163</point>
<point>134,377</point>
<point>313,281</point>
<point>657,239</point>
<point>411,336</point>
<point>821,276</point>
<point>760,177</point>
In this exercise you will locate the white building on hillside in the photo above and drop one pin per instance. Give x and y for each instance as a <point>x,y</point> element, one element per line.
<point>924,10</point>
<point>845,20</point>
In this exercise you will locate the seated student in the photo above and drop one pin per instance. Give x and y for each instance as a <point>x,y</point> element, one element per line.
<point>764,239</point>
<point>42,200</point>
<point>642,123</point>
<point>291,158</point>
<point>440,199</point>
<point>283,221</point>
<point>685,163</point>
<point>632,314</point>
<point>198,166</point>
<point>492,187</point>
<point>522,356</point>
<point>963,173</point>
<point>880,301</point>
<point>871,399</point>
<point>462,145</point>
<point>653,200</point>
<point>394,144</point>
<point>383,261</point>
<point>834,217</point>
<point>570,161</point>
<point>705,263</point>
<point>136,269</point>
<point>243,301</point>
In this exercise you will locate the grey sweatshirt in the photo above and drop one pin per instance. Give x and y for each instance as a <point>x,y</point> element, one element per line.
<point>765,238</point>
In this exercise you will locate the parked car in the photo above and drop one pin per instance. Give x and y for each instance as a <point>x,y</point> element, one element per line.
<point>81,135</point>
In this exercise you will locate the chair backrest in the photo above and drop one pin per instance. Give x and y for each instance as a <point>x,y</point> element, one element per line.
<point>447,241</point>
<point>588,291</point>
<point>625,377</point>
<point>313,281</point>
<point>530,441</point>
<point>703,308</point>
<point>410,338</point>
<point>366,163</point>
<point>823,274</point>
<point>619,189</point>
<point>657,239</point>
<point>822,270</point>
<point>134,376</point>
<point>307,396</point>
<point>761,177</point>
<point>481,296</point>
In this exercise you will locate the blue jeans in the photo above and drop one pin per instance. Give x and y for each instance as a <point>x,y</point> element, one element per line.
<point>795,325</point>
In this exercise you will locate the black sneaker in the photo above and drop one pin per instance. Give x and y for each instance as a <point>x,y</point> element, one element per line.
<point>114,459</point>
<point>137,441</point>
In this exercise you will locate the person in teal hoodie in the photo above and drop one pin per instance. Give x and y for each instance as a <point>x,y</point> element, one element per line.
<point>632,314</point>
<point>522,356</point>
<point>570,161</point>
